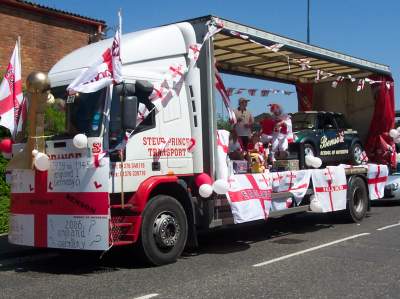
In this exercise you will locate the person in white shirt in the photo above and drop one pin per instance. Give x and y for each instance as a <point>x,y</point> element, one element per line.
<point>244,121</point>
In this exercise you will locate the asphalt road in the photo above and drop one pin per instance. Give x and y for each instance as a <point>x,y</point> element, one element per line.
<point>296,256</point>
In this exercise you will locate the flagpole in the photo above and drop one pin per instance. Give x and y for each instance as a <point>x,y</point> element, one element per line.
<point>19,49</point>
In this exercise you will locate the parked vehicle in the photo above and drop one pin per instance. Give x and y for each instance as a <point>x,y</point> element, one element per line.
<point>328,136</point>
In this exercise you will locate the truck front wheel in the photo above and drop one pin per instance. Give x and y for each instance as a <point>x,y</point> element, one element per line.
<point>164,230</point>
<point>357,199</point>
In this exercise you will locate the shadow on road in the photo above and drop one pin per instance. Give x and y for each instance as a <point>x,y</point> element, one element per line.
<point>218,241</point>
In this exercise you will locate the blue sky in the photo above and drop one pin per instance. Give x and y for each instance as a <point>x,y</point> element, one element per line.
<point>361,28</point>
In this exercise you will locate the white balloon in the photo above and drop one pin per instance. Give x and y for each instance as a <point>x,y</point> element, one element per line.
<point>394,133</point>
<point>80,141</point>
<point>317,162</point>
<point>205,190</point>
<point>315,204</point>
<point>313,162</point>
<point>42,162</point>
<point>220,186</point>
<point>398,130</point>
<point>397,139</point>
<point>35,152</point>
<point>308,160</point>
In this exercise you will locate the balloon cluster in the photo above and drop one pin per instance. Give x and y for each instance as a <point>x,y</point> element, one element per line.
<point>206,187</point>
<point>395,134</point>
<point>312,161</point>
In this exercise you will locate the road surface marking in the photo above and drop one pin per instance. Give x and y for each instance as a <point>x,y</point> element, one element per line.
<point>147,296</point>
<point>389,226</point>
<point>309,250</point>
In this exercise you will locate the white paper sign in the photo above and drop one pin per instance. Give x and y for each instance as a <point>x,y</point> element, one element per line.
<point>77,175</point>
<point>21,230</point>
<point>22,181</point>
<point>78,232</point>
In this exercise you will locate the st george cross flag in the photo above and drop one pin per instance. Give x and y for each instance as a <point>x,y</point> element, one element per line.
<point>330,188</point>
<point>249,196</point>
<point>377,177</point>
<point>104,72</point>
<point>11,94</point>
<point>295,182</point>
<point>222,170</point>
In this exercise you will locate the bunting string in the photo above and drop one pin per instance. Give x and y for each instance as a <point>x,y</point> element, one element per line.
<point>264,92</point>
<point>305,64</point>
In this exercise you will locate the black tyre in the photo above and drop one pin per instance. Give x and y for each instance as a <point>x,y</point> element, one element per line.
<point>356,154</point>
<point>357,199</point>
<point>164,230</point>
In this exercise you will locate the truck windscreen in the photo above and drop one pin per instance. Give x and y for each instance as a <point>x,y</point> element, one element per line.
<point>84,111</point>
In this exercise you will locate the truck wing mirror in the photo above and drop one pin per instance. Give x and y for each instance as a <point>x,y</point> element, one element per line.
<point>125,89</point>
<point>129,112</point>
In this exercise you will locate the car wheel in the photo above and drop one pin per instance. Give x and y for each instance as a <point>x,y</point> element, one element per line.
<point>356,154</point>
<point>164,230</point>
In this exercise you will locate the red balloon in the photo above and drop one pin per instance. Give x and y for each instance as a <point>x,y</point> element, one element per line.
<point>6,145</point>
<point>201,179</point>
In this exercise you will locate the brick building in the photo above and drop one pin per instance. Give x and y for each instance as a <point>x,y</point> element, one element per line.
<point>47,34</point>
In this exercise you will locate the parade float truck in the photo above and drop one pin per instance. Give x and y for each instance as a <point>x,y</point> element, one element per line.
<point>117,176</point>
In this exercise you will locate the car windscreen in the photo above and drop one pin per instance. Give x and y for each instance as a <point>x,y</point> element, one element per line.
<point>303,121</point>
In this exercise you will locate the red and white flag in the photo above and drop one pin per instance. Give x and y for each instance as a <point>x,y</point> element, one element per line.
<point>295,182</point>
<point>143,112</point>
<point>219,84</point>
<point>11,96</point>
<point>249,196</point>
<point>104,72</point>
<point>330,188</point>
<point>377,177</point>
<point>222,170</point>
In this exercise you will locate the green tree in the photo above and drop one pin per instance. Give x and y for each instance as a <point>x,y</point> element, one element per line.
<point>4,188</point>
<point>223,124</point>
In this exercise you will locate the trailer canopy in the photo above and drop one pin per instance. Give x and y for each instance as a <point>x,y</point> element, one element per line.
<point>244,57</point>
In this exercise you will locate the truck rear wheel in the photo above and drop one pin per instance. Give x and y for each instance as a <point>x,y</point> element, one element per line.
<point>357,199</point>
<point>164,230</point>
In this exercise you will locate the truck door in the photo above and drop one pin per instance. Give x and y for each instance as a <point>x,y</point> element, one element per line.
<point>327,142</point>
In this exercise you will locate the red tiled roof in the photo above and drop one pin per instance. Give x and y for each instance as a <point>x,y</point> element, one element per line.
<point>53,11</point>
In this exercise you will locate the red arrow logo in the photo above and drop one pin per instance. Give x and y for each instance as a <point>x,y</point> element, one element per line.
<point>97,185</point>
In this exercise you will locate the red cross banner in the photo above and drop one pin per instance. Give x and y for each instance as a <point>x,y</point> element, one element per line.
<point>295,182</point>
<point>11,94</point>
<point>249,196</point>
<point>330,188</point>
<point>222,171</point>
<point>377,177</point>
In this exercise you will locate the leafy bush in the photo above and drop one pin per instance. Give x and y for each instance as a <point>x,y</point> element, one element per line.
<point>4,197</point>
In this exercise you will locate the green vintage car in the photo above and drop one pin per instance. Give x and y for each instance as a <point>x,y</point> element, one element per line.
<point>327,135</point>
